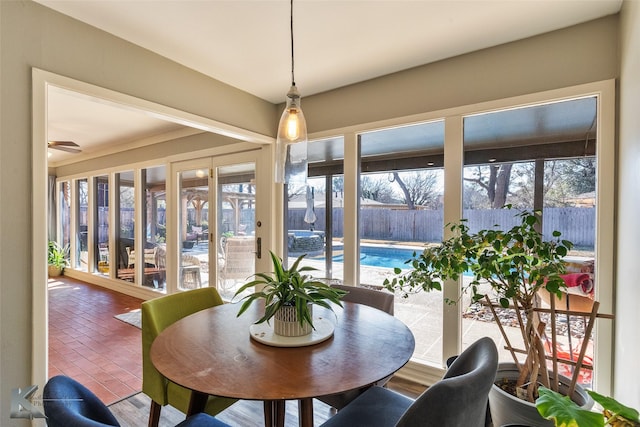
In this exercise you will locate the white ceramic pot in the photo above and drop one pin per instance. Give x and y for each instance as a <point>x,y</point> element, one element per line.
<point>507,409</point>
<point>285,322</point>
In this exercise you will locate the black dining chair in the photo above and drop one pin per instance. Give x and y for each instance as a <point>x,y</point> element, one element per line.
<point>67,403</point>
<point>458,400</point>
<point>373,298</point>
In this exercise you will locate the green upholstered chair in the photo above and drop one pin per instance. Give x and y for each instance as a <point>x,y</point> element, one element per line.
<point>158,314</point>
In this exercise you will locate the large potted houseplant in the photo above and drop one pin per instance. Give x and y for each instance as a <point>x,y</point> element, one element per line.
<point>508,267</point>
<point>289,296</point>
<point>56,258</point>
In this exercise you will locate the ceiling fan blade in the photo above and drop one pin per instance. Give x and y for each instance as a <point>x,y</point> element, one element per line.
<point>62,143</point>
<point>67,149</point>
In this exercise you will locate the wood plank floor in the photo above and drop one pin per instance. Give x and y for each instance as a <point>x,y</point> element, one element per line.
<point>134,411</point>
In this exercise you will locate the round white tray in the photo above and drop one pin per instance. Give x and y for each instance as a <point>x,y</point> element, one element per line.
<point>264,334</point>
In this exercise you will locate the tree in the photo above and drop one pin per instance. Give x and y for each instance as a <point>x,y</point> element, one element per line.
<point>419,188</point>
<point>580,174</point>
<point>555,191</point>
<point>295,191</point>
<point>338,183</point>
<point>563,180</point>
<point>376,187</point>
<point>496,184</point>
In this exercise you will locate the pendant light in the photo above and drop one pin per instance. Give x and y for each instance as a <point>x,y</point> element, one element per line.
<point>291,142</point>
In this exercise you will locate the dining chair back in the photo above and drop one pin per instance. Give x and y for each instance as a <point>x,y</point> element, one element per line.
<point>157,315</point>
<point>373,298</point>
<point>66,403</point>
<point>458,400</point>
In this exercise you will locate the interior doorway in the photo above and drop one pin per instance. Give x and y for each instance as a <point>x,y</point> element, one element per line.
<point>42,83</point>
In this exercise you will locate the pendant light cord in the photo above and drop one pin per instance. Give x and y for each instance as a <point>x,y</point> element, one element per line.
<point>293,80</point>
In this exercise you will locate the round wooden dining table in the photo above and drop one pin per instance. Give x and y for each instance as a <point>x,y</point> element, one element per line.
<point>211,352</point>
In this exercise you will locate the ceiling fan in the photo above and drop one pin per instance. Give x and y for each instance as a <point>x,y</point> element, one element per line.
<point>67,146</point>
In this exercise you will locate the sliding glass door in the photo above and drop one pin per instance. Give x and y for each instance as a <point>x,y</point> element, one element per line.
<point>217,224</point>
<point>193,226</point>
<point>235,191</point>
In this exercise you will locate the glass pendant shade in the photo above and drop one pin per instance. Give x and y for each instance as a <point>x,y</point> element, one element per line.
<point>291,143</point>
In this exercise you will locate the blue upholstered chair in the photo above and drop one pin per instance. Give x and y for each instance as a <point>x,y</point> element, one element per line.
<point>67,403</point>
<point>458,400</point>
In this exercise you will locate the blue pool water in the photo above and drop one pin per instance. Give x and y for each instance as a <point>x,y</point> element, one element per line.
<point>375,256</point>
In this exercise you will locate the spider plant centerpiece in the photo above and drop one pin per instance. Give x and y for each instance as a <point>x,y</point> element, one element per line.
<point>289,296</point>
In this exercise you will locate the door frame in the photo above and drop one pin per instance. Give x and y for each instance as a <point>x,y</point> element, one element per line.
<point>41,81</point>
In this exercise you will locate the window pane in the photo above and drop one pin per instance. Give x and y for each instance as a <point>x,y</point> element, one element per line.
<point>236,224</point>
<point>64,213</point>
<point>401,190</point>
<point>101,225</point>
<point>540,157</point>
<point>82,250</point>
<point>194,202</point>
<point>315,214</point>
<point>126,225</point>
<point>155,222</point>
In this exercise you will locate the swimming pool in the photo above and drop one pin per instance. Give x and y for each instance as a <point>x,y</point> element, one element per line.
<point>380,256</point>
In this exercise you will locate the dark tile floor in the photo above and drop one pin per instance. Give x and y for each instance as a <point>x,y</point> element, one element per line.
<point>88,343</point>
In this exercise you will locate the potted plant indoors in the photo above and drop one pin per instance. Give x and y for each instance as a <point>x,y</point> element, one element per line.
<point>511,267</point>
<point>289,296</point>
<point>564,411</point>
<point>56,258</point>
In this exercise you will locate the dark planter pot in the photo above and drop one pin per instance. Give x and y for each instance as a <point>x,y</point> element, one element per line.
<point>507,409</point>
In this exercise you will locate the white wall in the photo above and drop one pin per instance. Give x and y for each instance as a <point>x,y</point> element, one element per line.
<point>580,54</point>
<point>627,337</point>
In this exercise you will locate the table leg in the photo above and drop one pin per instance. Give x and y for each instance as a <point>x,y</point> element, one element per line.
<point>274,411</point>
<point>305,412</point>
<point>197,403</point>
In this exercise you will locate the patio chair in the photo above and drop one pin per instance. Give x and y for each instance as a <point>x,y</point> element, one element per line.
<point>150,257</point>
<point>67,403</point>
<point>158,314</point>
<point>238,259</point>
<point>190,277</point>
<point>458,400</point>
<point>372,298</point>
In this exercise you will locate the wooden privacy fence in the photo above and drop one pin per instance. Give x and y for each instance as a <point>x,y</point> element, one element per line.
<point>575,224</point>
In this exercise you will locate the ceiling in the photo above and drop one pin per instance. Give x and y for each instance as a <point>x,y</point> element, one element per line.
<point>337,43</point>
